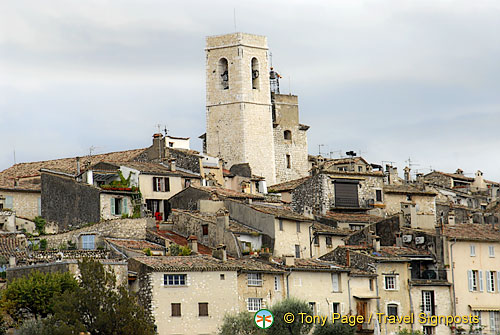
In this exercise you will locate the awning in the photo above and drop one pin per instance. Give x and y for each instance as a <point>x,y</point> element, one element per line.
<point>484,308</point>
<point>365,297</point>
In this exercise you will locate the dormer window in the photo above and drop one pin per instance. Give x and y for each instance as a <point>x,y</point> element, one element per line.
<point>223,72</point>
<point>255,74</point>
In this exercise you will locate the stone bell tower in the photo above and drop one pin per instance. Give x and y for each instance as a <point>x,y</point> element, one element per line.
<point>239,117</point>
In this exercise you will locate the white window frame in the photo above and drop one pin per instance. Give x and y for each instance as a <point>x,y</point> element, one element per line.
<point>472,250</point>
<point>391,304</point>
<point>254,279</point>
<point>336,282</point>
<point>254,304</point>
<point>427,306</point>
<point>475,279</point>
<point>491,251</point>
<point>491,281</point>
<point>494,322</point>
<point>174,279</point>
<point>394,286</point>
<point>277,283</point>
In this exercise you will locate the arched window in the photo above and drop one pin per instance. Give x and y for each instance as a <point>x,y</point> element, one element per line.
<point>255,74</point>
<point>287,135</point>
<point>223,73</point>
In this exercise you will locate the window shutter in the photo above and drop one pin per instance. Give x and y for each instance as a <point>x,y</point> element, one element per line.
<point>481,288</point>
<point>488,282</point>
<point>335,282</point>
<point>113,211</point>
<point>154,185</point>
<point>396,278</point>
<point>342,307</point>
<point>498,280</point>
<point>125,207</point>
<point>167,184</point>
<point>9,202</point>
<point>471,286</point>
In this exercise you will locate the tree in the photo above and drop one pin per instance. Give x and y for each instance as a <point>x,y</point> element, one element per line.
<point>239,324</point>
<point>294,306</point>
<point>99,307</point>
<point>32,296</point>
<point>330,328</point>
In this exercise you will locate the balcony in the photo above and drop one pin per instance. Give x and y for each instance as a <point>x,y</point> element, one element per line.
<point>426,276</point>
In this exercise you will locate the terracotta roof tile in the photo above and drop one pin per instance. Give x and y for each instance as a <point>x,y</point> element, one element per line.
<point>407,189</point>
<point>227,193</point>
<point>472,232</point>
<point>135,244</point>
<point>181,240</point>
<point>280,212</point>
<point>288,185</point>
<point>353,217</point>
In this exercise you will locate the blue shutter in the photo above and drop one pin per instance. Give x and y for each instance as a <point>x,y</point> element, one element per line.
<point>9,202</point>
<point>113,206</point>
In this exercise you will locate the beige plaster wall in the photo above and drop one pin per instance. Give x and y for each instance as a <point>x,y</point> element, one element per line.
<point>286,239</point>
<point>267,291</point>
<point>25,203</point>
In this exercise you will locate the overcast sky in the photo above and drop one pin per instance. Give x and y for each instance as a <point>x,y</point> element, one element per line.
<point>392,78</point>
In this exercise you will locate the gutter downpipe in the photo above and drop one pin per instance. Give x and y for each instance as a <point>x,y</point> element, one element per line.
<point>349,292</point>
<point>411,303</point>
<point>453,281</point>
<point>287,286</point>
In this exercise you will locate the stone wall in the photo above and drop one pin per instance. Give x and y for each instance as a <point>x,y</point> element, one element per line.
<point>312,195</point>
<point>437,178</point>
<point>188,199</point>
<point>68,203</point>
<point>184,160</point>
<point>24,203</point>
<point>120,228</point>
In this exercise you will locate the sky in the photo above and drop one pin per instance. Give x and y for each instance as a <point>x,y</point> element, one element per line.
<point>389,79</point>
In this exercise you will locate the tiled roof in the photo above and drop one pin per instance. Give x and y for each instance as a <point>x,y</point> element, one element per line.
<point>155,168</point>
<point>186,263</point>
<point>353,217</point>
<point>453,175</point>
<point>66,165</point>
<point>181,240</point>
<point>280,212</point>
<point>406,189</point>
<point>473,232</point>
<point>391,253</point>
<point>323,228</point>
<point>337,161</point>
<point>288,185</point>
<point>227,193</point>
<point>135,244</point>
<point>10,245</point>
<point>310,264</point>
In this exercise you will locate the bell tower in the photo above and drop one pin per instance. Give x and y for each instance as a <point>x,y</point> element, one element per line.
<point>239,116</point>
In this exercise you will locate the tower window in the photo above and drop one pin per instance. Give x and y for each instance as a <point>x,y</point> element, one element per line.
<point>288,162</point>
<point>287,135</point>
<point>255,74</point>
<point>223,73</point>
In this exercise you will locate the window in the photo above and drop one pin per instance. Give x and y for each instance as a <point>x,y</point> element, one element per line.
<point>390,282</point>
<point>117,205</point>
<point>281,224</point>
<point>223,74</point>
<point>428,330</point>
<point>428,302</point>
<point>316,240</point>
<point>174,280</point>
<point>204,229</point>
<point>222,276</point>
<point>328,241</point>
<point>255,73</point>
<point>288,162</point>
<point>312,306</point>
<point>277,283</point>
<point>491,250</point>
<point>171,144</point>
<point>88,242</point>
<point>360,169</point>
<point>297,251</point>
<point>9,202</point>
<point>392,310</point>
<point>472,250</point>
<point>408,197</point>
<point>298,227</point>
<point>494,322</point>
<point>203,309</point>
<point>491,281</point>
<point>478,326</point>
<point>287,135</point>
<point>161,184</point>
<point>371,284</point>
<point>378,195</point>
<point>187,182</point>
<point>336,282</point>
<point>254,279</point>
<point>346,193</point>
<point>176,309</point>
<point>336,307</point>
<point>475,280</point>
<point>356,227</point>
<point>254,304</point>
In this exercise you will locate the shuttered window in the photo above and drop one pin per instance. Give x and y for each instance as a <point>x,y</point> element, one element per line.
<point>203,308</point>
<point>346,194</point>
<point>176,309</point>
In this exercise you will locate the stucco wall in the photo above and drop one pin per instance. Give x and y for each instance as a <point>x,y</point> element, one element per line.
<point>146,187</point>
<point>286,239</point>
<point>267,291</point>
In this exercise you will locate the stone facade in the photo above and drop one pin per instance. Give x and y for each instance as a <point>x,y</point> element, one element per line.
<point>26,204</point>
<point>290,139</point>
<point>270,291</point>
<point>240,116</point>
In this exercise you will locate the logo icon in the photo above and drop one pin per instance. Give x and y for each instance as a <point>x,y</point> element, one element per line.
<point>263,319</point>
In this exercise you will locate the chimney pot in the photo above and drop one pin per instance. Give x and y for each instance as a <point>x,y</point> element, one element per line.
<point>289,260</point>
<point>193,243</point>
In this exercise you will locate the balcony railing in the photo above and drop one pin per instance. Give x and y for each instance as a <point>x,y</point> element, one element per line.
<point>430,275</point>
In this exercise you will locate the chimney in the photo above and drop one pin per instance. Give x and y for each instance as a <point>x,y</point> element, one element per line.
<point>220,252</point>
<point>407,174</point>
<point>12,261</point>
<point>459,171</point>
<point>223,218</point>
<point>347,258</point>
<point>399,240</point>
<point>159,145</point>
<point>289,260</point>
<point>376,243</point>
<point>78,168</point>
<point>193,243</point>
<point>173,166</point>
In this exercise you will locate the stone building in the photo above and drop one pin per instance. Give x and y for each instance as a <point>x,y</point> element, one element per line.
<point>245,124</point>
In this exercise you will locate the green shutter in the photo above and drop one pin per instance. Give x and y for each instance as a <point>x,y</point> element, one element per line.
<point>125,207</point>
<point>113,206</point>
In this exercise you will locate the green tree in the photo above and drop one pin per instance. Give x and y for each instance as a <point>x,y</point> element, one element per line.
<point>32,296</point>
<point>99,307</point>
<point>239,324</point>
<point>331,328</point>
<point>294,306</point>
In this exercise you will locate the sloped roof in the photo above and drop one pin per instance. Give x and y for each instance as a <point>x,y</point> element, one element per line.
<point>452,175</point>
<point>473,232</point>
<point>181,240</point>
<point>288,185</point>
<point>280,212</point>
<point>407,189</point>
<point>227,193</point>
<point>66,165</point>
<point>135,244</point>
<point>353,217</point>
<point>323,228</point>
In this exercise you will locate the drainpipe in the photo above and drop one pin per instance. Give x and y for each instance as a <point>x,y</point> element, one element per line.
<point>310,241</point>
<point>453,282</point>
<point>411,302</point>
<point>287,286</point>
<point>349,291</point>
